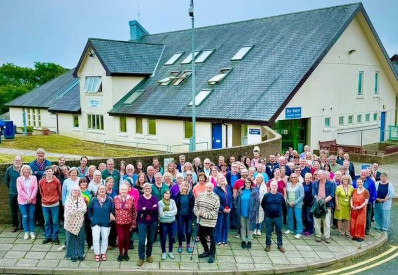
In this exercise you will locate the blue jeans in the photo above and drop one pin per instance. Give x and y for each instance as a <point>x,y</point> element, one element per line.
<point>382,217</point>
<point>168,230</point>
<point>51,222</point>
<point>28,217</point>
<point>184,224</point>
<point>222,227</point>
<point>308,219</point>
<point>146,231</point>
<point>295,213</point>
<point>269,226</point>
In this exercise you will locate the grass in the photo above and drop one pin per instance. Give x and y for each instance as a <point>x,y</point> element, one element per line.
<point>5,158</point>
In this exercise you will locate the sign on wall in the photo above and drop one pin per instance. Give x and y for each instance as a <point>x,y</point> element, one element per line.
<point>293,113</point>
<point>94,102</point>
<point>254,132</point>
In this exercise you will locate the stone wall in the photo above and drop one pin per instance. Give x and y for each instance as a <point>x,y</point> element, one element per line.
<point>272,145</point>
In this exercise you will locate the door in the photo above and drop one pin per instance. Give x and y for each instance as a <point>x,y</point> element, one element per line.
<point>217,136</point>
<point>382,125</point>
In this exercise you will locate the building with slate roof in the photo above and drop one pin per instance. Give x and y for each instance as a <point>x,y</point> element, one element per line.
<point>315,75</point>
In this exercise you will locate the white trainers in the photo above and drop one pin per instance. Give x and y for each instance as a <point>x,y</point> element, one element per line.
<point>92,248</point>
<point>288,231</point>
<point>237,236</point>
<point>164,256</point>
<point>297,236</point>
<point>258,232</point>
<point>171,255</point>
<point>26,237</point>
<point>32,235</point>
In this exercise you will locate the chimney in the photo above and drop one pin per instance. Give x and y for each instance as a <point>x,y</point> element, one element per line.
<point>136,30</point>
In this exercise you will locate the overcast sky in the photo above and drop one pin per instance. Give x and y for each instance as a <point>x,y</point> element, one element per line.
<point>57,30</point>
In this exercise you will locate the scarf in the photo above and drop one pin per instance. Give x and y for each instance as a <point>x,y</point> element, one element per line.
<point>166,204</point>
<point>101,200</point>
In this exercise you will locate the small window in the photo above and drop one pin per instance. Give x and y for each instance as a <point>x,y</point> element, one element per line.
<point>219,77</point>
<point>376,91</point>
<point>95,122</point>
<point>76,120</point>
<point>327,122</point>
<point>123,124</point>
<point>188,59</point>
<point>359,119</point>
<point>174,58</point>
<point>138,125</point>
<point>29,118</point>
<point>241,53</point>
<point>341,120</point>
<point>34,117</point>
<point>350,119</point>
<point>203,56</point>
<point>93,84</point>
<point>360,83</point>
<point>200,97</point>
<point>152,127</point>
<point>367,117</point>
<point>133,97</point>
<point>182,78</point>
<point>375,117</point>
<point>166,81</point>
<point>188,129</point>
<point>38,117</point>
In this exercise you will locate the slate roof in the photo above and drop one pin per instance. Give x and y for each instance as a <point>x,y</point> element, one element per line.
<point>47,94</point>
<point>286,49</point>
<point>68,101</point>
<point>394,61</point>
<point>124,57</point>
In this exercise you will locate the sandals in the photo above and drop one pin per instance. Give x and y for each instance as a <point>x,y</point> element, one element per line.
<point>103,257</point>
<point>97,258</point>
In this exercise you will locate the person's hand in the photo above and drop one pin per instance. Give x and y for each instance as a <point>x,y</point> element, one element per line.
<point>144,208</point>
<point>291,204</point>
<point>155,205</point>
<point>112,217</point>
<point>338,207</point>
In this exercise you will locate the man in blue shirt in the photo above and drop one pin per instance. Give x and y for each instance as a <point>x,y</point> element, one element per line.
<point>233,175</point>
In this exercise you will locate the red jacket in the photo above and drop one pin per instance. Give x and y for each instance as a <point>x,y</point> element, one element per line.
<point>50,191</point>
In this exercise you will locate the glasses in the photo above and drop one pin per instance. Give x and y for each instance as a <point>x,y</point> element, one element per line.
<point>207,163</point>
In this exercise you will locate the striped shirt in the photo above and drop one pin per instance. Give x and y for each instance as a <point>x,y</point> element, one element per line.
<point>209,204</point>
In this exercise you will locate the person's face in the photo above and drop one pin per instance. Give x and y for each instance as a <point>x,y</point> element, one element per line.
<point>214,172</point>
<point>123,190</point>
<point>231,160</point>
<point>359,183</point>
<point>158,179</point>
<point>91,171</point>
<point>147,190</point>
<point>150,171</point>
<point>202,179</point>
<point>167,179</point>
<point>302,162</point>
<point>83,162</point>
<point>375,166</point>
<point>221,160</point>
<point>207,164</point>
<point>73,174</point>
<point>65,171</point>
<point>170,167</point>
<point>345,181</point>
<point>110,165</point>
<point>326,167</point>
<point>75,193</point>
<point>234,168</point>
<point>316,176</point>
<point>184,188</point>
<point>40,155</point>
<point>97,178</point>
<point>17,161</point>
<point>101,190</point>
<point>180,180</point>
<point>383,178</point>
<point>256,155</point>
<point>130,170</point>
<point>83,185</point>
<point>242,167</point>
<point>244,173</point>
<point>247,161</point>
<point>282,160</point>
<point>337,177</point>
<point>260,168</point>
<point>259,180</point>
<point>248,183</point>
<point>221,180</point>
<point>209,188</point>
<point>272,158</point>
<point>277,173</point>
<point>182,160</point>
<point>274,187</point>
<point>294,178</point>
<point>189,177</point>
<point>166,195</point>
<point>346,165</point>
<point>224,167</point>
<point>307,179</point>
<point>110,183</point>
<point>321,176</point>
<point>297,171</point>
<point>49,172</point>
<point>141,178</point>
<point>102,167</point>
<point>282,172</point>
<point>122,166</point>
<point>139,165</point>
<point>363,175</point>
<point>346,157</point>
<point>155,162</point>
<point>251,172</point>
<point>26,172</point>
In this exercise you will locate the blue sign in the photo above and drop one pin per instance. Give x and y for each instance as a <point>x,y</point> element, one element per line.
<point>293,113</point>
<point>254,131</point>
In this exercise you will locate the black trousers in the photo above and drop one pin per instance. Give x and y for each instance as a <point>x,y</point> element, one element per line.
<point>14,209</point>
<point>38,211</point>
<point>369,211</point>
<point>207,231</point>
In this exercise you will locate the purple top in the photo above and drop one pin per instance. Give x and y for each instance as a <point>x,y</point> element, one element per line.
<point>175,190</point>
<point>151,212</point>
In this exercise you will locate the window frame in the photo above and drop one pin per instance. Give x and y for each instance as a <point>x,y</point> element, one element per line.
<point>95,122</point>
<point>377,81</point>
<point>361,76</point>
<point>153,131</point>
<point>188,58</point>
<point>205,54</point>
<point>133,97</point>
<point>173,59</point>
<point>341,120</point>
<point>138,122</point>
<point>218,78</point>
<point>239,56</point>
<point>359,119</point>
<point>167,80</point>
<point>123,124</point>
<point>96,87</point>
<point>76,119</point>
<point>182,78</point>
<point>327,122</point>
<point>375,116</point>
<point>367,117</point>
<point>350,120</point>
<point>199,97</point>
<point>188,129</point>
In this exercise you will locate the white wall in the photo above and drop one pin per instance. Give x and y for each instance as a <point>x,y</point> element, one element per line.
<point>47,119</point>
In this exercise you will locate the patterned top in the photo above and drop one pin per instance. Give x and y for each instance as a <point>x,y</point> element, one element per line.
<point>125,212</point>
<point>74,214</point>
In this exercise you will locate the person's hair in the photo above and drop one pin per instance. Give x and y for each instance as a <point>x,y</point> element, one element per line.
<point>123,162</point>
<point>259,175</point>
<point>40,150</point>
<point>83,179</point>
<point>346,177</point>
<point>110,160</point>
<point>179,175</point>
<point>384,174</point>
<point>49,168</point>
<point>328,165</point>
<point>202,174</point>
<point>84,157</point>
<point>183,184</point>
<point>73,169</point>
<point>167,191</point>
<point>26,167</point>
<point>146,185</point>
<point>108,179</point>
<point>123,185</point>
<point>97,172</point>
<point>92,166</point>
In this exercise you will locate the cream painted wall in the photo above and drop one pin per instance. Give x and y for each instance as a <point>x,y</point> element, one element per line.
<point>47,119</point>
<point>331,91</point>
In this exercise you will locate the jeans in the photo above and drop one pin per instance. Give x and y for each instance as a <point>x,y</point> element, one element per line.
<point>13,200</point>
<point>123,237</point>
<point>168,230</point>
<point>326,225</point>
<point>382,217</point>
<point>51,222</point>
<point>204,231</point>
<point>28,217</point>
<point>184,223</point>
<point>100,232</point>
<point>222,227</point>
<point>308,219</point>
<point>295,213</point>
<point>269,226</point>
<point>146,231</point>
<point>245,230</point>
<point>369,211</point>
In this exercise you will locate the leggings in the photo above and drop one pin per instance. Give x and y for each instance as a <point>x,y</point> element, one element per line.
<point>123,236</point>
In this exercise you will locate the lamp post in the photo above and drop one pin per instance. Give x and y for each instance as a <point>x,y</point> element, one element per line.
<point>192,144</point>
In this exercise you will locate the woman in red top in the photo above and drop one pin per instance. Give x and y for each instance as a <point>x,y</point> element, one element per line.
<point>359,201</point>
<point>125,218</point>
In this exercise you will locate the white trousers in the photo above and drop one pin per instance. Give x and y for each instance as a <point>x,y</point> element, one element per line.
<point>100,233</point>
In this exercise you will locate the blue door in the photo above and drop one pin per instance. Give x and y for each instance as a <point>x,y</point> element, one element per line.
<point>217,136</point>
<point>382,125</point>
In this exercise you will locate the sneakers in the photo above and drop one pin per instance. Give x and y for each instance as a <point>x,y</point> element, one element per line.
<point>288,231</point>
<point>164,256</point>
<point>297,236</point>
<point>171,255</point>
<point>267,248</point>
<point>46,240</point>
<point>210,260</point>
<point>204,255</point>
<point>149,259</point>
<point>327,240</point>
<point>281,249</point>
<point>56,241</point>
<point>237,236</point>
<point>258,232</point>
<point>140,262</point>
<point>318,239</point>
<point>180,249</point>
<point>32,235</point>
<point>26,237</point>
<point>189,249</point>
<point>249,245</point>
<point>14,229</point>
<point>243,245</point>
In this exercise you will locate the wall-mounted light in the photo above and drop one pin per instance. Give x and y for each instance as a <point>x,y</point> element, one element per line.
<point>352,51</point>
<point>91,53</point>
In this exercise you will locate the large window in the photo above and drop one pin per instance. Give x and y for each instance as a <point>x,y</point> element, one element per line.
<point>188,132</point>
<point>34,117</point>
<point>38,118</point>
<point>200,97</point>
<point>95,122</point>
<point>134,96</point>
<point>188,59</point>
<point>138,125</point>
<point>29,118</point>
<point>123,124</point>
<point>203,56</point>
<point>93,84</point>
<point>367,117</point>
<point>375,117</point>
<point>152,127</point>
<point>360,83</point>
<point>376,91</point>
<point>174,58</point>
<point>350,119</point>
<point>359,119</point>
<point>241,53</point>
<point>76,120</point>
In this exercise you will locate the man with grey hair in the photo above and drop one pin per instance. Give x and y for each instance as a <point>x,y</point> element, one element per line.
<point>12,173</point>
<point>110,171</point>
<point>150,174</point>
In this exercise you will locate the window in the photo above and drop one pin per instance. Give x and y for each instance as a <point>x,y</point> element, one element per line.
<point>76,120</point>
<point>219,77</point>
<point>152,127</point>
<point>133,97</point>
<point>181,79</point>
<point>123,124</point>
<point>367,117</point>
<point>93,84</point>
<point>188,132</point>
<point>241,53</point>
<point>341,120</point>
<point>203,56</point>
<point>174,58</point>
<point>95,122</point>
<point>38,118</point>
<point>200,97</point>
<point>375,117</point>
<point>327,122</point>
<point>350,119</point>
<point>138,125</point>
<point>188,59</point>
<point>360,83</point>
<point>29,118</point>
<point>359,118</point>
<point>34,117</point>
<point>166,81</point>
<point>376,91</point>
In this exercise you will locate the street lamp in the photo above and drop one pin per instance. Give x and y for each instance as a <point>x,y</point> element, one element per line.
<point>192,144</point>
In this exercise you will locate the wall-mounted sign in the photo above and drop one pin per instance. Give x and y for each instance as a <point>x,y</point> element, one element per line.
<point>293,113</point>
<point>94,102</point>
<point>254,132</point>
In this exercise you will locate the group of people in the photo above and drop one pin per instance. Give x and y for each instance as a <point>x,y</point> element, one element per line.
<point>104,206</point>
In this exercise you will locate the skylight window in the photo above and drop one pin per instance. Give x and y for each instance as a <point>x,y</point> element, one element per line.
<point>166,81</point>
<point>181,79</point>
<point>188,59</point>
<point>203,56</point>
<point>200,97</point>
<point>174,58</point>
<point>241,53</point>
<point>219,77</point>
<point>134,96</point>
<point>93,84</point>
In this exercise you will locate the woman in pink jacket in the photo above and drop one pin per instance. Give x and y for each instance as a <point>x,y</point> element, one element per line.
<point>27,190</point>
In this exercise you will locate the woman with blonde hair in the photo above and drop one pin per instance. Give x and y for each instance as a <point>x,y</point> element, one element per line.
<point>185,202</point>
<point>342,212</point>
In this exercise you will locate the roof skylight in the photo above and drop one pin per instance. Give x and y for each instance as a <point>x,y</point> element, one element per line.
<point>166,81</point>
<point>203,56</point>
<point>174,58</point>
<point>134,96</point>
<point>188,59</point>
<point>181,79</point>
<point>241,53</point>
<point>219,77</point>
<point>201,96</point>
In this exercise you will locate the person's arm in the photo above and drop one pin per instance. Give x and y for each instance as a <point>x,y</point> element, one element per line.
<point>90,209</point>
<point>161,212</point>
<point>63,192</point>
<point>196,208</point>
<point>264,202</point>
<point>134,215</point>
<point>35,187</point>
<point>59,187</point>
<point>301,195</point>
<point>20,190</point>
<point>372,192</point>
<point>173,209</point>
<point>390,193</point>
<point>8,177</point>
<point>211,214</point>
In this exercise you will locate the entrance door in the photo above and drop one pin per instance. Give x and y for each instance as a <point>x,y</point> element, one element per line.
<point>382,125</point>
<point>217,136</point>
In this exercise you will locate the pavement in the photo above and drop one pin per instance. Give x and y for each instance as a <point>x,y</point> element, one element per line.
<point>27,256</point>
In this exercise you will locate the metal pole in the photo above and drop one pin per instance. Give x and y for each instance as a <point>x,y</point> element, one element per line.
<point>193,139</point>
<point>25,130</point>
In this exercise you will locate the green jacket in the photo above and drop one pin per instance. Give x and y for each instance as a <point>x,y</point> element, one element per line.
<point>159,194</point>
<point>11,180</point>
